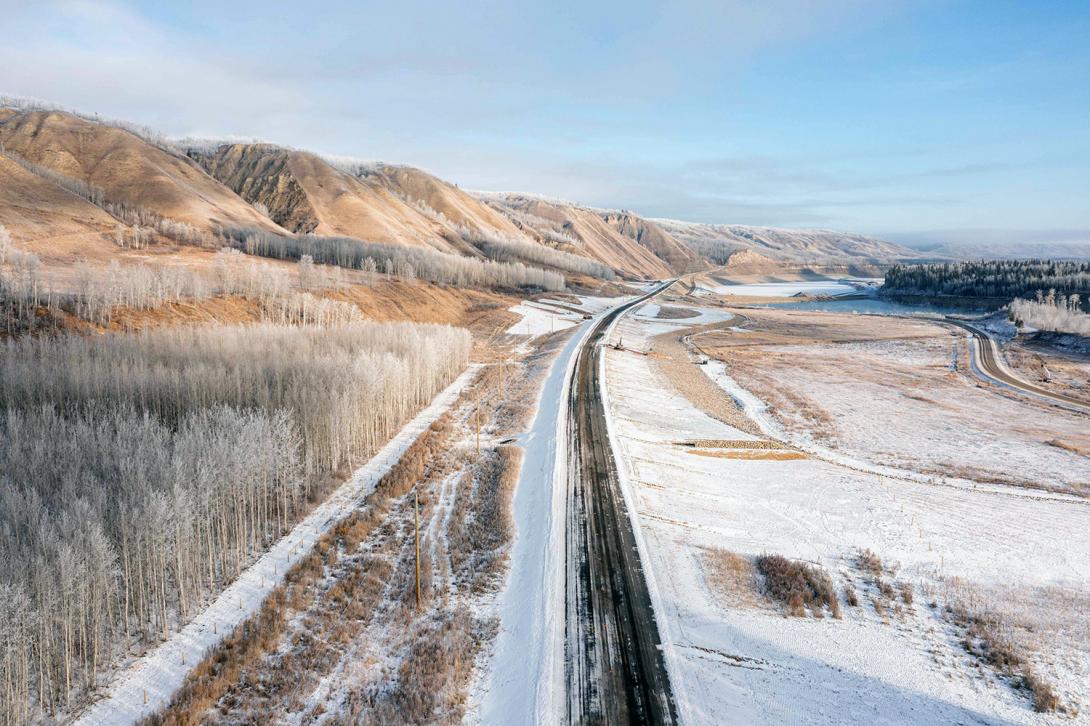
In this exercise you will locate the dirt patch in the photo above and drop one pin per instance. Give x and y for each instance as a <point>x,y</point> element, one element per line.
<point>669,312</point>
<point>733,444</point>
<point>751,454</point>
<point>671,361</point>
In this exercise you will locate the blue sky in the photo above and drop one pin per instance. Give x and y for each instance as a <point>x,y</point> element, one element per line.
<point>892,118</point>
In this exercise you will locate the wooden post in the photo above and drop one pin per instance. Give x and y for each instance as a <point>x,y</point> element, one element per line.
<point>416,527</point>
<point>145,697</point>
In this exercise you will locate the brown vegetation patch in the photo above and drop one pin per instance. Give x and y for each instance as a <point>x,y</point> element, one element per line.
<point>751,455</point>
<point>1068,446</point>
<point>671,361</point>
<point>733,444</point>
<point>669,312</point>
<point>1004,642</point>
<point>733,577</point>
<point>798,586</point>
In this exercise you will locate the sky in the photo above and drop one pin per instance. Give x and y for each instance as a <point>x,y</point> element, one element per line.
<point>913,120</point>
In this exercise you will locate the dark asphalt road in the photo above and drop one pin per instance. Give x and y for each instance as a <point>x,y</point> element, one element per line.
<point>615,668</point>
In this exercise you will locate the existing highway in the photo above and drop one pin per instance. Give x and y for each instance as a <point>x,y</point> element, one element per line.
<point>615,669</point>
<point>987,362</point>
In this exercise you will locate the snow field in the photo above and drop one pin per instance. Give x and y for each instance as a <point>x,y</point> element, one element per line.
<point>753,665</point>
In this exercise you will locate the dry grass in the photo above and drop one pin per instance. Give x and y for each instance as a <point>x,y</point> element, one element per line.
<point>427,682</point>
<point>669,312</point>
<point>752,455</point>
<point>851,596</point>
<point>733,444</point>
<point>733,577</point>
<point>997,639</point>
<point>798,586</point>
<point>671,362</point>
<point>223,675</point>
<point>870,563</point>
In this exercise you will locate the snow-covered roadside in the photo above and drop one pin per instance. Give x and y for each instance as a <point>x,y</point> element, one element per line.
<point>752,665</point>
<point>148,684</point>
<point>523,680</point>
<point>538,317</point>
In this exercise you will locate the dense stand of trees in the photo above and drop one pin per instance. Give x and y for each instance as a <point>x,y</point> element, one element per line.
<point>504,248</point>
<point>991,278</point>
<point>397,260</point>
<point>1051,312</point>
<point>98,291</point>
<point>140,473</point>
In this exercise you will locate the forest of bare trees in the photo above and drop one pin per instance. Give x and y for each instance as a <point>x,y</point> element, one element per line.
<point>397,260</point>
<point>1060,314</point>
<point>139,473</point>
<point>95,292</point>
<point>503,248</point>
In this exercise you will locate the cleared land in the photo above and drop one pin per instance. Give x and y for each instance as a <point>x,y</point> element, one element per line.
<point>957,574</point>
<point>897,393</point>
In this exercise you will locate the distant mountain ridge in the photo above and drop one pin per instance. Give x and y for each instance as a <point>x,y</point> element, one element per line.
<point>718,241</point>
<point>207,187</point>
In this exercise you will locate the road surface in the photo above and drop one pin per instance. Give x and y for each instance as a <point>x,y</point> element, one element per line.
<point>615,669</point>
<point>988,363</point>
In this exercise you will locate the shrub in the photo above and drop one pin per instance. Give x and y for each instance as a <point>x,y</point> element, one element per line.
<point>798,585</point>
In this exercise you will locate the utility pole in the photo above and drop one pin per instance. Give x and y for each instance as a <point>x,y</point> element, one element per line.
<point>416,527</point>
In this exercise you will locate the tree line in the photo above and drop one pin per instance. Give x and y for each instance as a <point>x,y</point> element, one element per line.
<point>397,260</point>
<point>991,278</point>
<point>140,219</point>
<point>140,473</point>
<point>1052,312</point>
<point>95,293</point>
<point>505,248</point>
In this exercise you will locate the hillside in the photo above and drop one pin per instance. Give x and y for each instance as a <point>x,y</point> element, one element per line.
<point>658,241</point>
<point>306,194</point>
<point>127,168</point>
<point>717,241</point>
<point>48,221</point>
<point>586,230</point>
<point>457,206</point>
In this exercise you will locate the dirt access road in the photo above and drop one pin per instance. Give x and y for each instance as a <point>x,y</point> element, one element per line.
<point>615,669</point>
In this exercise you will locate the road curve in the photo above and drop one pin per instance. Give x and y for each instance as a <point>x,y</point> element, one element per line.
<point>989,364</point>
<point>614,665</point>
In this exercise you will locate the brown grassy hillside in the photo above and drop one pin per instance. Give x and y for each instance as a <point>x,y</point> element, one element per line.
<point>658,241</point>
<point>48,221</point>
<point>592,235</point>
<point>800,245</point>
<point>127,168</point>
<point>456,205</point>
<point>304,193</point>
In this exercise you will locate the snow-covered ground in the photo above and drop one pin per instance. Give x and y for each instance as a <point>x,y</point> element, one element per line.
<point>547,315</point>
<point>147,685</point>
<point>896,403</point>
<point>523,678</point>
<point>750,664</point>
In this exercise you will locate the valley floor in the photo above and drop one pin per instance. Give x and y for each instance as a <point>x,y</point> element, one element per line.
<point>955,543</point>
